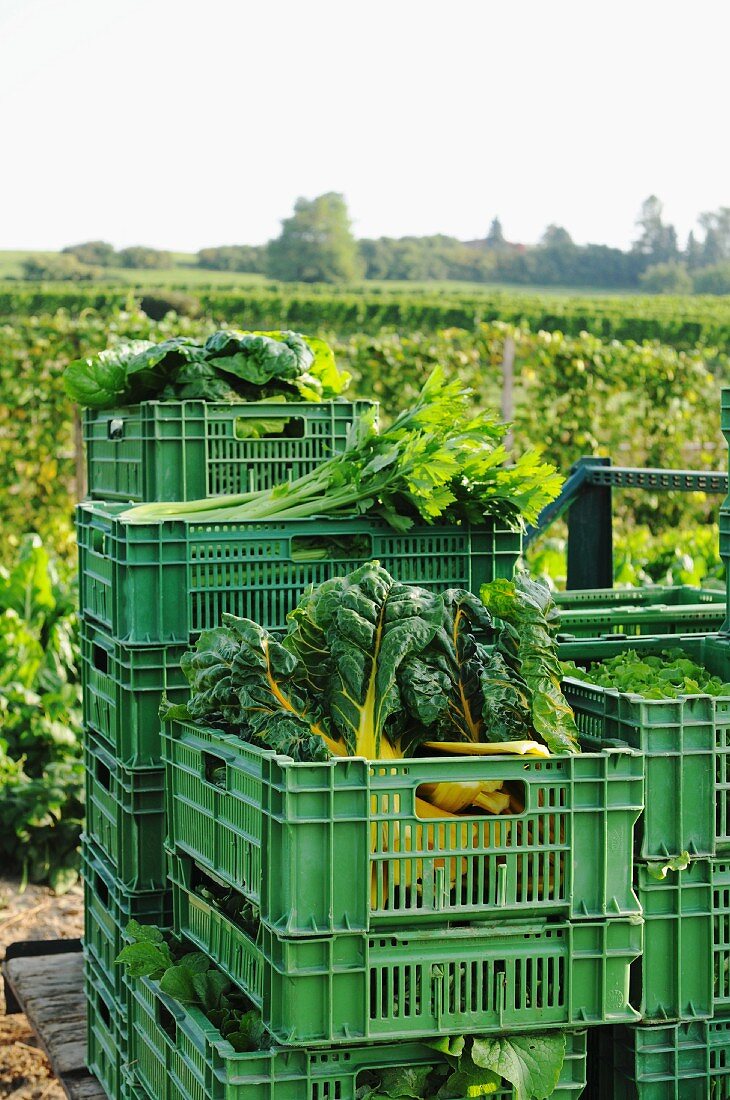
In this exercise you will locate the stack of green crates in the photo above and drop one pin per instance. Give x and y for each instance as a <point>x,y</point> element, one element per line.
<point>146,593</point>
<point>681,984</point>
<point>678,609</point>
<point>370,931</point>
<point>153,451</point>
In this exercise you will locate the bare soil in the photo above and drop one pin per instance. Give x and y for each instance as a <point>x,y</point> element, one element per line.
<point>35,914</point>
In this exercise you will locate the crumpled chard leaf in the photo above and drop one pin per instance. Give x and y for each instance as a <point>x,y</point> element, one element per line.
<point>377,625</point>
<point>527,644</point>
<point>460,690</point>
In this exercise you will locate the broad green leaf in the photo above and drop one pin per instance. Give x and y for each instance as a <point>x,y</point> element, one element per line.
<point>530,1063</point>
<point>100,381</point>
<point>179,983</point>
<point>404,1081</point>
<point>144,960</point>
<point>378,624</point>
<point>144,933</point>
<point>209,986</point>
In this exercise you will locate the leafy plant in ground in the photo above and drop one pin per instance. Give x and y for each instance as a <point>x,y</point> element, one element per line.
<point>41,774</point>
<point>466,1066</point>
<point>668,675</point>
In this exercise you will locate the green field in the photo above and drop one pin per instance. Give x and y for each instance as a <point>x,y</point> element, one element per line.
<point>187,275</point>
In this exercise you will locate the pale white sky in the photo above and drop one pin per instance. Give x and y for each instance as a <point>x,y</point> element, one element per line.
<point>183,124</point>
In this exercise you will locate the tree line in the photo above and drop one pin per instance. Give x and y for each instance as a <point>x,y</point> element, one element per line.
<point>316,244</point>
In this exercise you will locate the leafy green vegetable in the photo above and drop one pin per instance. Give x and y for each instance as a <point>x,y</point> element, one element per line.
<point>189,978</point>
<point>531,1063</point>
<point>659,871</point>
<point>667,675</point>
<point>370,667</point>
<point>100,381</point>
<point>436,461</point>
<point>230,366</point>
<point>527,643</point>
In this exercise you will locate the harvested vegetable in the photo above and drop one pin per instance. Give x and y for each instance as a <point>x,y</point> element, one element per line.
<point>667,675</point>
<point>436,461</point>
<point>462,1065</point>
<point>231,365</point>
<point>368,667</point>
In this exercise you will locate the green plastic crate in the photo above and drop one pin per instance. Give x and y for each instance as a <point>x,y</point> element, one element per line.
<point>686,1061</point>
<point>178,1055</point>
<point>164,582</point>
<point>125,817</point>
<point>673,979</point>
<point>681,609</point>
<point>187,450</point>
<point>721,935</point>
<point>107,910</point>
<point>122,690</point>
<point>107,1029</point>
<point>686,743</point>
<point>403,985</point>
<point>337,846</point>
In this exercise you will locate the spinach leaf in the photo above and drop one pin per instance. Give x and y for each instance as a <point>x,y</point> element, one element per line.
<point>100,381</point>
<point>531,1063</point>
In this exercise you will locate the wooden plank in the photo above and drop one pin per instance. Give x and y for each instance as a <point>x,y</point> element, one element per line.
<point>50,990</point>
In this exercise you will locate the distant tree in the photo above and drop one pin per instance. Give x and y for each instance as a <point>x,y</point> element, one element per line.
<point>99,253</point>
<point>716,245</point>
<point>316,244</point>
<point>657,241</point>
<point>234,257</point>
<point>425,259</point>
<point>58,266</point>
<point>693,252</point>
<point>556,237</point>
<point>138,256</point>
<point>667,278</point>
<point>713,280</point>
<point>495,236</point>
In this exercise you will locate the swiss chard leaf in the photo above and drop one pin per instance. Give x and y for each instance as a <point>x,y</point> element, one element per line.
<point>527,643</point>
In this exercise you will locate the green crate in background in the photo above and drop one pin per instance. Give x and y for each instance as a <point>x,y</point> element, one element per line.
<point>122,690</point>
<point>686,743</point>
<point>721,935</point>
<point>108,908</point>
<point>125,817</point>
<point>681,609</point>
<point>338,846</point>
<point>673,979</point>
<point>187,450</point>
<point>107,1029</point>
<point>474,979</point>
<point>157,583</point>
<point>685,1061</point>
<point>178,1055</point>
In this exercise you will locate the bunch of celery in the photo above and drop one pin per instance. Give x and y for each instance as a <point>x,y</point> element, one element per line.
<point>437,460</point>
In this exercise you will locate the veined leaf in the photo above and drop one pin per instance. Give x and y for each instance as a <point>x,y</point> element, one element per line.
<point>378,624</point>
<point>531,1063</point>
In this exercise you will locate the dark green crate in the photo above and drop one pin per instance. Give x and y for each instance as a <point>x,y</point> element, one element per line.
<point>686,743</point>
<point>178,1055</point>
<point>108,908</point>
<point>107,1029</point>
<point>681,609</point>
<point>125,817</point>
<point>721,935</point>
<point>164,582</point>
<point>673,979</point>
<point>122,690</point>
<point>403,985</point>
<point>338,846</point>
<point>686,1061</point>
<point>186,450</point>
